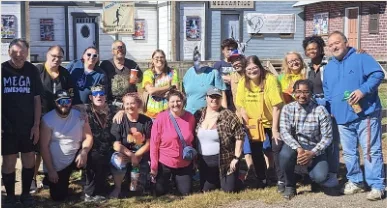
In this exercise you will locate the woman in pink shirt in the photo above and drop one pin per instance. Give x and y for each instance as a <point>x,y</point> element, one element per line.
<point>166,148</point>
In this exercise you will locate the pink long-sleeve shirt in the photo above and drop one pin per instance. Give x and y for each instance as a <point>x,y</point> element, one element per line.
<point>165,145</point>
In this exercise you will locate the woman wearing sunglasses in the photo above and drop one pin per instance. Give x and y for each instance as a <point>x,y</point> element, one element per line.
<point>99,115</point>
<point>86,73</point>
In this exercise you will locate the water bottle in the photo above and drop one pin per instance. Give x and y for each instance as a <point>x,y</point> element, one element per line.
<point>134,176</point>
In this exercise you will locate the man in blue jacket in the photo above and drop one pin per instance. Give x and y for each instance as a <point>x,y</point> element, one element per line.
<point>361,75</point>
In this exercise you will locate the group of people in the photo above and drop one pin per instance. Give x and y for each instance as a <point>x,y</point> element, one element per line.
<point>140,127</point>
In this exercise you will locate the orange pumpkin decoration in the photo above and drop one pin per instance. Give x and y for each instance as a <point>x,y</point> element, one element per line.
<point>130,138</point>
<point>139,138</point>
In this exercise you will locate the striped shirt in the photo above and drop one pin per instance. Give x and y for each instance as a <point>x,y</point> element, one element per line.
<point>307,127</point>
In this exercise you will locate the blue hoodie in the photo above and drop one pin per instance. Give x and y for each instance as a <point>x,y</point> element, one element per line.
<point>83,82</point>
<point>354,71</point>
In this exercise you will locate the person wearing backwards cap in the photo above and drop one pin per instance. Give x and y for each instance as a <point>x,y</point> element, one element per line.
<point>219,135</point>
<point>65,141</point>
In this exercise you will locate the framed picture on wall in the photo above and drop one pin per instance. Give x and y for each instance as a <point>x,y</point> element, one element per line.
<point>139,29</point>
<point>46,29</point>
<point>192,28</point>
<point>8,26</point>
<point>320,23</point>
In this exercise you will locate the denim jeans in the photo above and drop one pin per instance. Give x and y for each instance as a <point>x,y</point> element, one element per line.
<point>356,132</point>
<point>318,169</point>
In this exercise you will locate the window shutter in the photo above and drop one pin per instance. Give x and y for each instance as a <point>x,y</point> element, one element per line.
<point>374,20</point>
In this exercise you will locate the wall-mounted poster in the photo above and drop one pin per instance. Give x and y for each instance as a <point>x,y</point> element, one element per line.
<point>139,29</point>
<point>8,26</point>
<point>192,28</point>
<point>46,29</point>
<point>118,17</point>
<point>320,23</point>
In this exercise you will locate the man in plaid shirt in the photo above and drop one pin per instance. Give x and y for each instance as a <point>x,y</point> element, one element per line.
<point>306,129</point>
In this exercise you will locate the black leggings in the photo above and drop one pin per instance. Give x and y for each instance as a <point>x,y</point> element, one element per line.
<point>259,159</point>
<point>182,176</point>
<point>210,178</point>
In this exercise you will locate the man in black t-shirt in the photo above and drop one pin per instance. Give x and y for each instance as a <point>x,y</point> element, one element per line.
<point>119,65</point>
<point>21,110</point>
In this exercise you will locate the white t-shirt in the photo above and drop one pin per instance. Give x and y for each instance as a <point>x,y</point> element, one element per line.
<point>66,137</point>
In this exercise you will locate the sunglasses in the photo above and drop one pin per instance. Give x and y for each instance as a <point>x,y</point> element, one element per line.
<point>96,93</point>
<point>93,55</point>
<point>214,96</point>
<point>64,101</point>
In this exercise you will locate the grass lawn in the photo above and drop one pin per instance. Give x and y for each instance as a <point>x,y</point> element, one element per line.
<point>196,200</point>
<point>383,94</point>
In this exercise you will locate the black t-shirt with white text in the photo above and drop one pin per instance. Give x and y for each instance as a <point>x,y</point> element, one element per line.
<point>18,89</point>
<point>140,129</point>
<point>50,86</point>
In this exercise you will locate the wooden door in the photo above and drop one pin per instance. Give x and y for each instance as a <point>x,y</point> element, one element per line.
<point>352,25</point>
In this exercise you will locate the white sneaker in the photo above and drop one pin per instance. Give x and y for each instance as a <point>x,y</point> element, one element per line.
<point>351,188</point>
<point>375,194</point>
<point>332,181</point>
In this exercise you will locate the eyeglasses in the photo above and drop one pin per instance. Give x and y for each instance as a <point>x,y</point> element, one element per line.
<point>252,68</point>
<point>119,48</point>
<point>299,92</point>
<point>159,58</point>
<point>64,101</point>
<point>294,61</point>
<point>96,93</point>
<point>56,57</point>
<point>92,55</point>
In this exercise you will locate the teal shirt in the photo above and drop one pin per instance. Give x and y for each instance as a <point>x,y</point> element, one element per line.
<point>196,86</point>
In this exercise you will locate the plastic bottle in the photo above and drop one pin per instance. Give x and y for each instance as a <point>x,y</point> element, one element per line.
<point>134,176</point>
<point>356,107</point>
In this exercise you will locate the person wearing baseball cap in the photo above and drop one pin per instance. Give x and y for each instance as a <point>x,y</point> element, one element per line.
<point>219,136</point>
<point>65,141</point>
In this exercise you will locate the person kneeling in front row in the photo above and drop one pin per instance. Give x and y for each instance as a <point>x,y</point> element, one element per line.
<point>306,129</point>
<point>65,141</point>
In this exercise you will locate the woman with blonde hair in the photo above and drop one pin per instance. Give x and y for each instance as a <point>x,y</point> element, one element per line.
<point>293,69</point>
<point>157,81</point>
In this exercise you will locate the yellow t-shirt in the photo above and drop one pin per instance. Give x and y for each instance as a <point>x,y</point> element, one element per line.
<point>259,104</point>
<point>286,82</point>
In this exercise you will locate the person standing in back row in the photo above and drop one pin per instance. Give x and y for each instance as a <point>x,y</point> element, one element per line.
<point>358,115</point>
<point>20,119</point>
<point>225,68</point>
<point>119,65</point>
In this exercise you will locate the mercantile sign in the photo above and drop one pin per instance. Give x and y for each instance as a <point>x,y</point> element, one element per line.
<point>232,4</point>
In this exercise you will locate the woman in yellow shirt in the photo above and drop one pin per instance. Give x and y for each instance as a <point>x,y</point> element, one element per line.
<point>293,69</point>
<point>259,97</point>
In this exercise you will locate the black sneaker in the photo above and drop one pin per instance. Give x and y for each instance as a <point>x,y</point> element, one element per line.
<point>280,187</point>
<point>289,193</point>
<point>261,184</point>
<point>9,202</point>
<point>27,200</point>
<point>315,187</point>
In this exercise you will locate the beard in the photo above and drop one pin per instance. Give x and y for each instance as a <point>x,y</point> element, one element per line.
<point>62,111</point>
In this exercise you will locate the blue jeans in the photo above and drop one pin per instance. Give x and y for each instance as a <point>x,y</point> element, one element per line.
<point>318,170</point>
<point>356,132</point>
